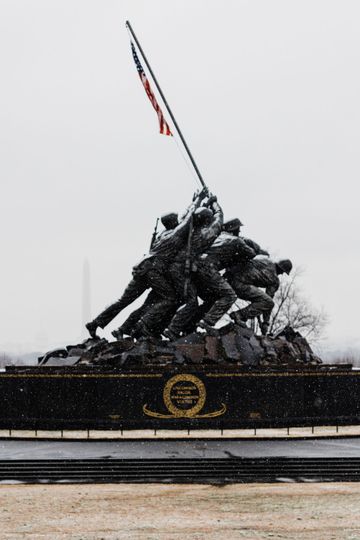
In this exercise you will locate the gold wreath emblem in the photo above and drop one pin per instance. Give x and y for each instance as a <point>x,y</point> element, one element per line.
<point>184,397</point>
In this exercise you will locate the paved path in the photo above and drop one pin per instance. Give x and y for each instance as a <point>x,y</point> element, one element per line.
<point>150,449</point>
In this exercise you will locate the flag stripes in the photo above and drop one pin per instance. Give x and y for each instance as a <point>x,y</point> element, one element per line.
<point>163,125</point>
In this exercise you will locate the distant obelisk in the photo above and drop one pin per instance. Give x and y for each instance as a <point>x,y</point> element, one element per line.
<point>86,299</point>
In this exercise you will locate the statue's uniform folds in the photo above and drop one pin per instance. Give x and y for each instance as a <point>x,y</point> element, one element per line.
<point>199,258</point>
<point>204,273</point>
<point>152,273</point>
<point>248,279</point>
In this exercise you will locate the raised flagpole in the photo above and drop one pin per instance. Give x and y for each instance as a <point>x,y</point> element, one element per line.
<point>129,27</point>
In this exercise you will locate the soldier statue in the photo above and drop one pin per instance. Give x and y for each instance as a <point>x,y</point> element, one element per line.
<point>207,224</point>
<point>131,325</point>
<point>227,250</point>
<point>232,226</point>
<point>151,272</point>
<point>247,280</point>
<point>186,262</point>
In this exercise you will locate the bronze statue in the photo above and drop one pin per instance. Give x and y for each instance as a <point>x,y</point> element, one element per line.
<point>248,280</point>
<point>232,226</point>
<point>151,272</point>
<point>184,264</point>
<point>207,226</point>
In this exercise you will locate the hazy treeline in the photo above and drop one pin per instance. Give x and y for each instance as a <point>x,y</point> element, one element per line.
<point>8,359</point>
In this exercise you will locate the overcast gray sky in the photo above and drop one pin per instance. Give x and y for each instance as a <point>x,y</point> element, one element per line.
<point>267,94</point>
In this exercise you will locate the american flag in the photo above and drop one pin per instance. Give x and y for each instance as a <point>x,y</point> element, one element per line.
<point>164,127</point>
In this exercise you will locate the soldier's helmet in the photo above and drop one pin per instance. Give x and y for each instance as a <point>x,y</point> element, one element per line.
<point>285,265</point>
<point>202,216</point>
<point>232,225</point>
<point>170,220</point>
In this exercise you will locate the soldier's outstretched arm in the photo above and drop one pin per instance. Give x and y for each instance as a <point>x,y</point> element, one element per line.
<point>255,246</point>
<point>175,238</point>
<point>244,251</point>
<point>212,231</point>
<point>181,231</point>
<point>198,197</point>
<point>218,216</point>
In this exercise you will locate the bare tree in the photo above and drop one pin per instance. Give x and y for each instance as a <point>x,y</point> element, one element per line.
<point>293,309</point>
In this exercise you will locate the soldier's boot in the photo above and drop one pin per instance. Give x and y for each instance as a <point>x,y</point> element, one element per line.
<point>238,318</point>
<point>264,327</point>
<point>91,328</point>
<point>118,334</point>
<point>168,333</point>
<point>209,329</point>
<point>141,330</point>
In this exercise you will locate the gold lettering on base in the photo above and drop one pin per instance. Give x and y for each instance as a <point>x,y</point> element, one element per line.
<point>184,396</point>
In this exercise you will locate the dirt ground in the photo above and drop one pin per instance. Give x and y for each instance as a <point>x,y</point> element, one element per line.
<point>250,511</point>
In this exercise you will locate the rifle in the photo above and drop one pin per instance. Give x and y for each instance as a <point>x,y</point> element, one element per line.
<point>188,258</point>
<point>153,238</point>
